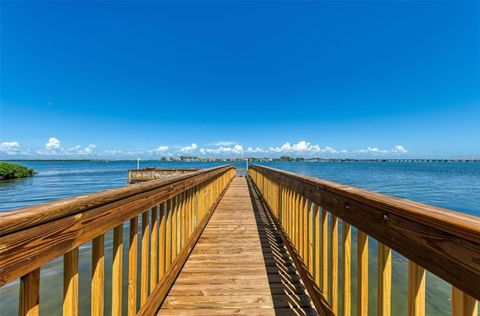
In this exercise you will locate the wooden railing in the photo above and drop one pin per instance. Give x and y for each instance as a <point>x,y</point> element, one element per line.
<point>308,210</point>
<point>173,213</point>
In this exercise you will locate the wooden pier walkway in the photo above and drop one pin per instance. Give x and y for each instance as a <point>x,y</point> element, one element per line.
<point>210,242</point>
<point>239,266</point>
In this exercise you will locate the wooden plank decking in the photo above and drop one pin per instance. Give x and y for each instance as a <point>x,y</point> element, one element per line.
<point>239,266</point>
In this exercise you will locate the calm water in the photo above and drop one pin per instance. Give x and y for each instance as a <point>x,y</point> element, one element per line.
<point>454,186</point>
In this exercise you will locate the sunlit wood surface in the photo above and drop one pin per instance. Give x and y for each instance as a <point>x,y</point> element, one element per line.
<point>239,266</point>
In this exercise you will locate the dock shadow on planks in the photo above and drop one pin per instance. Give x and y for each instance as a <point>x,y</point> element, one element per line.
<point>285,283</point>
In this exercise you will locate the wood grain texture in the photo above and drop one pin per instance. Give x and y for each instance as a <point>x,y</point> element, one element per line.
<point>416,289</point>
<point>161,290</point>
<point>318,248</point>
<point>333,277</point>
<point>179,223</point>
<point>324,252</point>
<point>30,294</point>
<point>132,266</point>
<point>384,287</point>
<point>70,283</point>
<point>346,268</point>
<point>240,262</point>
<point>50,235</point>
<point>314,291</point>
<point>168,233</point>
<point>463,304</point>
<point>28,217</point>
<point>117,270</point>
<point>144,258</point>
<point>161,241</point>
<point>154,249</point>
<point>183,218</point>
<point>311,237</point>
<point>173,236</point>
<point>417,231</point>
<point>98,275</point>
<point>303,229</point>
<point>35,244</point>
<point>187,218</point>
<point>362,274</point>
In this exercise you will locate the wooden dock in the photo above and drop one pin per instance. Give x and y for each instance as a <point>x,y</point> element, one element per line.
<point>149,174</point>
<point>213,242</point>
<point>239,266</point>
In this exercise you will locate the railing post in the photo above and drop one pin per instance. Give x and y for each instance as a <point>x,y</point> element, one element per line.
<point>145,250</point>
<point>463,304</point>
<point>98,275</point>
<point>70,283</point>
<point>117,270</point>
<point>317,233</point>
<point>195,206</point>
<point>168,235</point>
<point>132,266</point>
<point>334,263</point>
<point>384,279</point>
<point>30,294</point>
<point>161,246</point>
<point>310,238</point>
<point>362,274</point>
<point>154,248</point>
<point>416,289</point>
<point>325,259</point>
<point>346,266</point>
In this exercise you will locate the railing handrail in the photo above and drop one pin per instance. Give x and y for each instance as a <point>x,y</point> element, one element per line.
<point>456,223</point>
<point>27,217</point>
<point>47,231</point>
<point>445,242</point>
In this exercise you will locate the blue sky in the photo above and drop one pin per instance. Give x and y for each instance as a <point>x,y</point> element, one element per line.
<point>149,79</point>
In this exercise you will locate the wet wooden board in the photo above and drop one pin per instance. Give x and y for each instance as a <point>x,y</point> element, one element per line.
<point>240,266</point>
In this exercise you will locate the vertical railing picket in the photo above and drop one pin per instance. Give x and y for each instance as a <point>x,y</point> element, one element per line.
<point>362,273</point>
<point>117,270</point>
<point>132,267</point>
<point>98,275</point>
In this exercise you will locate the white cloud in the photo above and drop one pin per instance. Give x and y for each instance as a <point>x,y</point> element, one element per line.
<point>160,149</point>
<point>236,150</point>
<point>304,147</point>
<point>53,147</point>
<point>113,152</point>
<point>330,150</point>
<point>10,148</point>
<point>373,150</point>
<point>53,144</point>
<point>399,149</point>
<point>301,148</point>
<point>254,150</point>
<point>90,148</point>
<point>189,149</point>
<point>224,143</point>
<point>79,150</point>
